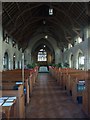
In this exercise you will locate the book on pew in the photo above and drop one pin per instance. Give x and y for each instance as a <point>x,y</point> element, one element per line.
<point>81,86</point>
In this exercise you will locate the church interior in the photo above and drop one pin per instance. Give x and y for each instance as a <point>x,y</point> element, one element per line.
<point>44,60</point>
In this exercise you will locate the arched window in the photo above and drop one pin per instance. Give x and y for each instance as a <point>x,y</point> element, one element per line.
<point>6,61</point>
<point>6,38</point>
<point>72,61</point>
<point>81,60</point>
<point>79,39</point>
<point>14,44</point>
<point>42,55</point>
<point>14,59</point>
<point>69,45</point>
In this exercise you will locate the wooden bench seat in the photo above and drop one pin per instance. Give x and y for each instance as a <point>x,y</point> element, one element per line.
<point>30,76</point>
<point>14,76</point>
<point>9,107</point>
<point>13,90</point>
<point>69,79</point>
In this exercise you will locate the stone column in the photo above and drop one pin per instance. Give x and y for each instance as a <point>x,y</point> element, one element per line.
<point>86,93</point>
<point>23,67</point>
<point>1,38</point>
<point>1,59</point>
<point>58,56</point>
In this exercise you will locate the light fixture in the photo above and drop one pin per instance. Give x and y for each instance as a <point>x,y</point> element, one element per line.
<point>44,46</point>
<point>13,42</point>
<point>50,11</point>
<point>44,22</point>
<point>46,36</point>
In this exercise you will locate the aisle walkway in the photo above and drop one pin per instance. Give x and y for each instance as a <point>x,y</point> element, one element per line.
<point>50,101</point>
<point>43,69</point>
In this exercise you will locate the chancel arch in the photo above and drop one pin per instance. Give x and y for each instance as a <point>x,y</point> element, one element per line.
<point>43,52</point>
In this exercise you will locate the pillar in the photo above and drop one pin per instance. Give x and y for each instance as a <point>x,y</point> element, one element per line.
<point>23,67</point>
<point>1,59</point>
<point>58,58</point>
<point>1,38</point>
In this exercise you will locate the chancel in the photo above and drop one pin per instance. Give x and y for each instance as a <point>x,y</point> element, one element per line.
<point>44,59</point>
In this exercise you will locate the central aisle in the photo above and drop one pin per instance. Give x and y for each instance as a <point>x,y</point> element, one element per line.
<point>50,101</point>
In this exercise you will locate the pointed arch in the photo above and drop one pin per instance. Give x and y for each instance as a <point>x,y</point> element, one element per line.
<point>71,63</point>
<point>80,59</point>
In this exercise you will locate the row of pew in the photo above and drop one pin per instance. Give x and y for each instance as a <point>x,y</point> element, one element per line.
<point>12,85</point>
<point>76,83</point>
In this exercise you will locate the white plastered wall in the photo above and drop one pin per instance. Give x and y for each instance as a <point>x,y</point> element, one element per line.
<point>83,47</point>
<point>11,51</point>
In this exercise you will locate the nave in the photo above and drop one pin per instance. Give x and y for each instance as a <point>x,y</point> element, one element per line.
<point>49,100</point>
<point>52,34</point>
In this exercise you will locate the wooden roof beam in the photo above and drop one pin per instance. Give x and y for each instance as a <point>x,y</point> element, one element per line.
<point>8,15</point>
<point>81,14</point>
<point>77,31</point>
<point>20,11</point>
<point>27,10</point>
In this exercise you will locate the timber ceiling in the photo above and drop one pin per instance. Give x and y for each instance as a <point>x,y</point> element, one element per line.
<point>23,19</point>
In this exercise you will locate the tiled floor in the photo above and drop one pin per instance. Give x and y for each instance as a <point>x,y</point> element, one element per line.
<point>50,101</point>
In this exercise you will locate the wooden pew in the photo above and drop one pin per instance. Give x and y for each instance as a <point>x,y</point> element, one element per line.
<point>63,77</point>
<point>15,76</point>
<point>69,79</point>
<point>73,78</point>
<point>75,83</point>
<point>30,76</point>
<point>10,77</point>
<point>8,105</point>
<point>13,90</point>
<point>78,76</point>
<point>86,95</point>
<point>67,75</point>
